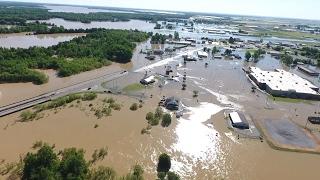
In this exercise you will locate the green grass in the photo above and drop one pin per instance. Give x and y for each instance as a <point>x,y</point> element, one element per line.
<point>134,87</point>
<point>289,100</point>
<point>287,34</point>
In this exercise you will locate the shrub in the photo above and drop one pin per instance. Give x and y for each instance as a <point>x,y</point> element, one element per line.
<point>134,107</point>
<point>158,113</point>
<point>98,114</point>
<point>107,111</point>
<point>154,121</point>
<point>28,116</point>
<point>195,93</point>
<point>115,106</point>
<point>89,96</point>
<point>110,100</point>
<point>166,120</point>
<point>172,176</point>
<point>149,116</point>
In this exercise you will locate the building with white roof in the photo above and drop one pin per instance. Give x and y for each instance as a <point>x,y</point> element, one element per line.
<point>238,120</point>
<point>148,80</point>
<point>283,83</point>
<point>202,54</point>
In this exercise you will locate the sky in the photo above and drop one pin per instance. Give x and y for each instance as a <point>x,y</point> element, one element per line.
<point>302,9</point>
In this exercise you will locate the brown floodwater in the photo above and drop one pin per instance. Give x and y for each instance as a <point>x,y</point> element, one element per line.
<point>13,92</point>
<point>132,24</point>
<point>22,40</point>
<point>200,144</point>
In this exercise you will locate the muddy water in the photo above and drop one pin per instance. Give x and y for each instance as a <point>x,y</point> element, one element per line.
<point>78,9</point>
<point>200,144</point>
<point>22,40</point>
<point>132,24</point>
<point>12,92</point>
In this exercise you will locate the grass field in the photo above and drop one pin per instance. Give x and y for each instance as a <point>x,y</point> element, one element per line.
<point>134,87</point>
<point>289,100</point>
<point>287,34</point>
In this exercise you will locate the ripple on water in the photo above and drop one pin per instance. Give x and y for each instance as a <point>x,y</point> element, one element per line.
<point>197,143</point>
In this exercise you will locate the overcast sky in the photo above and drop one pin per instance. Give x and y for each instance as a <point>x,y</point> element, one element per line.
<point>304,9</point>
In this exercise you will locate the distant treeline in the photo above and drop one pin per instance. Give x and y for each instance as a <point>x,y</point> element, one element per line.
<point>18,15</point>
<point>85,53</point>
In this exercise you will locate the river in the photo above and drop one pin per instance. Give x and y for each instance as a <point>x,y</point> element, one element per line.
<point>22,40</point>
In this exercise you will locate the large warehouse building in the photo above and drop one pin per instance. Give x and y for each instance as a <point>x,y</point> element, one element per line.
<point>284,84</point>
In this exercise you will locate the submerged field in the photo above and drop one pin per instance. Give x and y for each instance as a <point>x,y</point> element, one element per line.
<point>200,144</point>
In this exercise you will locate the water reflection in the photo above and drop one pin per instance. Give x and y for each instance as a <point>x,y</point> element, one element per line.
<point>132,24</point>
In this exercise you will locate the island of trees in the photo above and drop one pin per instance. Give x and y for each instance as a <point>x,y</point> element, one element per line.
<point>85,53</point>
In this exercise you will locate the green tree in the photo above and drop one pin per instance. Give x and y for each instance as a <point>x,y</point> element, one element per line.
<point>164,163</point>
<point>215,50</point>
<point>73,165</point>
<point>248,55</point>
<point>41,165</point>
<point>176,35</point>
<point>286,59</point>
<point>158,113</point>
<point>166,120</point>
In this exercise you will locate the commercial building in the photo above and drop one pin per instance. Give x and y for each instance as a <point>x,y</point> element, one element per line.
<point>238,120</point>
<point>284,84</point>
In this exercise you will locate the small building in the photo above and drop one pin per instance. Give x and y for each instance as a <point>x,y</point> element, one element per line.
<point>189,58</point>
<point>172,104</point>
<point>191,40</point>
<point>238,120</point>
<point>202,54</point>
<point>308,71</point>
<point>148,80</point>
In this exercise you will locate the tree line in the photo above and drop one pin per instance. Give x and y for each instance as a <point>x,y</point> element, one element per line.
<point>81,54</point>
<point>70,163</point>
<point>18,15</point>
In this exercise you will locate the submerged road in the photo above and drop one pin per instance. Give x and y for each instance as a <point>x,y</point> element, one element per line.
<point>18,106</point>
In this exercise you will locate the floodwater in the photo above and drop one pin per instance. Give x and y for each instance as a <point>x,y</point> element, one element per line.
<point>22,40</point>
<point>132,24</point>
<point>80,9</point>
<point>200,144</point>
<point>13,92</point>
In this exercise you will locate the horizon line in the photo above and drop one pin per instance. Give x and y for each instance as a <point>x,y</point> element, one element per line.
<point>180,11</point>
